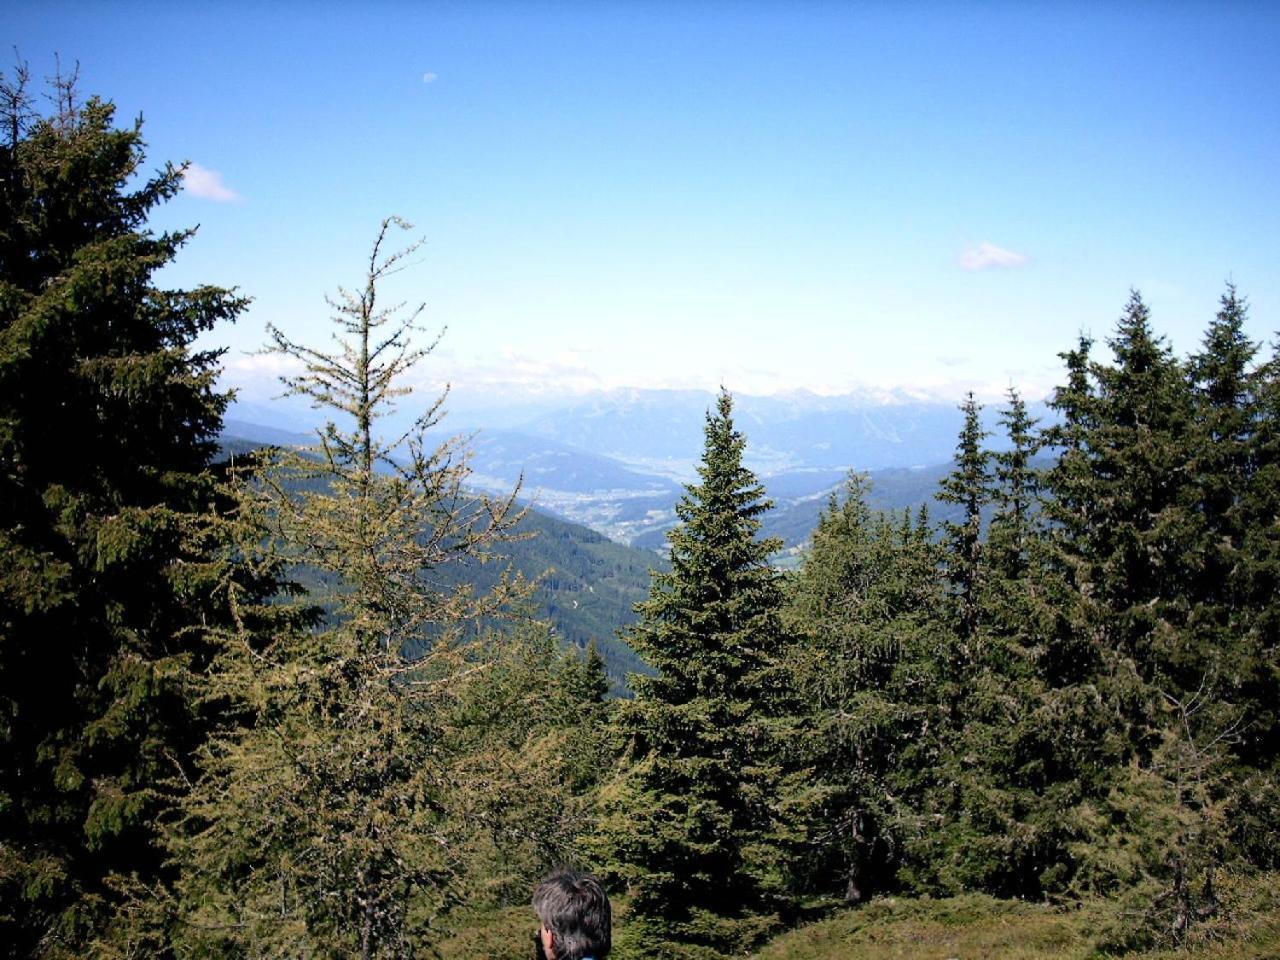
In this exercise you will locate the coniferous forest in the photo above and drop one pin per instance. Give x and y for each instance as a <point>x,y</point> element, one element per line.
<point>297,703</point>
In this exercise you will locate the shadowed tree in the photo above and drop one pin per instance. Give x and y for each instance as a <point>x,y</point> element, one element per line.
<point>866,608</point>
<point>110,568</point>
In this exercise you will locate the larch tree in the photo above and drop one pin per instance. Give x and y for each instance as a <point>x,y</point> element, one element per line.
<point>324,819</point>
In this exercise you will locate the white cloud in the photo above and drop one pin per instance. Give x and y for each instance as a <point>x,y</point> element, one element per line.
<point>985,255</point>
<point>257,375</point>
<point>430,77</point>
<point>202,182</point>
<point>263,364</point>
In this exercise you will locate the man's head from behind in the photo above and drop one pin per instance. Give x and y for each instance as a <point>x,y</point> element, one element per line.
<point>576,918</point>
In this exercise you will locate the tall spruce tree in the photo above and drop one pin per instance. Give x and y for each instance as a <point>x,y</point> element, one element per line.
<point>692,814</point>
<point>866,612</point>
<point>1140,547</point>
<point>1070,653</point>
<point>967,486</point>
<point>1238,444</point>
<point>1130,543</point>
<point>1015,493</point>
<point>108,577</point>
<point>1256,582</point>
<point>1226,415</point>
<point>997,824</point>
<point>1125,524</point>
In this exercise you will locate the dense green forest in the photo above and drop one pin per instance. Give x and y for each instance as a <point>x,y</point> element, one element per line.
<point>1059,702</point>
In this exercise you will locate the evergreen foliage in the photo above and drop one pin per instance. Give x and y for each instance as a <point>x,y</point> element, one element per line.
<point>968,486</point>
<point>1142,554</point>
<point>1237,409</point>
<point>1093,705</point>
<point>866,611</point>
<point>1014,527</point>
<point>691,815</point>
<point>199,759</point>
<point>109,554</point>
<point>994,823</point>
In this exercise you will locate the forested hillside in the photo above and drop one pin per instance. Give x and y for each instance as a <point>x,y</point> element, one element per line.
<point>301,702</point>
<point>587,586</point>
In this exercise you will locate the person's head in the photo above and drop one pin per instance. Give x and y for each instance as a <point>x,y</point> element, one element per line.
<point>576,919</point>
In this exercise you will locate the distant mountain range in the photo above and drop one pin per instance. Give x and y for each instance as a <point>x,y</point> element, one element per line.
<point>615,461</point>
<point>661,430</point>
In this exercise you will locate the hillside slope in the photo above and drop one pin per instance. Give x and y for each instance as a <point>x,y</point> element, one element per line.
<point>588,585</point>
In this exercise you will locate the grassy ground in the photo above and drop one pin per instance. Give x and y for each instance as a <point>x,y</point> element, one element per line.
<point>981,928</point>
<point>965,927</point>
<point>962,928</point>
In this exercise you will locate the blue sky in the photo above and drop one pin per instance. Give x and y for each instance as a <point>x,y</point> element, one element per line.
<point>924,197</point>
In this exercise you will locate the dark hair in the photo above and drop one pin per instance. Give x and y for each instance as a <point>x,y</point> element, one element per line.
<point>575,908</point>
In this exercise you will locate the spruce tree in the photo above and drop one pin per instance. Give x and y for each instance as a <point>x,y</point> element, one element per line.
<point>1015,493</point>
<point>967,486</point>
<point>108,551</point>
<point>1229,414</point>
<point>1225,418</point>
<point>998,825</point>
<point>1126,528</point>
<point>1130,542</point>
<point>1255,622</point>
<point>588,683</point>
<point>866,611</point>
<point>584,715</point>
<point>691,816</point>
<point>947,805</point>
<point>1140,546</point>
<point>1069,655</point>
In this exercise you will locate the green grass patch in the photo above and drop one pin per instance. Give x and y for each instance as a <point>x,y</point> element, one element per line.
<point>976,927</point>
<point>966,928</point>
<point>971,927</point>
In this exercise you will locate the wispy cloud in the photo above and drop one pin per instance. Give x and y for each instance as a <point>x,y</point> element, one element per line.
<point>985,255</point>
<point>208,184</point>
<point>430,77</point>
